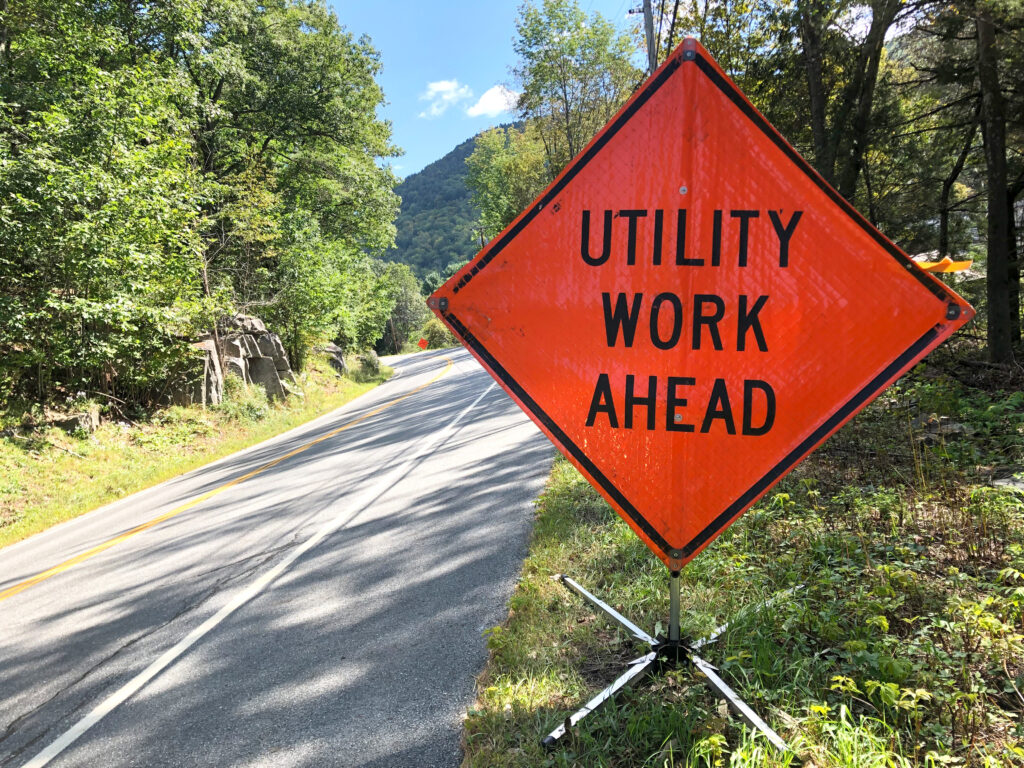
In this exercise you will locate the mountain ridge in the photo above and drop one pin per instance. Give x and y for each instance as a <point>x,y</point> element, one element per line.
<point>435,221</point>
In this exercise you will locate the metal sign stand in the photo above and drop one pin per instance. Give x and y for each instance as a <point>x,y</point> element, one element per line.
<point>663,652</point>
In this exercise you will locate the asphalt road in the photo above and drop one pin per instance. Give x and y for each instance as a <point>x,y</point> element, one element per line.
<point>326,611</point>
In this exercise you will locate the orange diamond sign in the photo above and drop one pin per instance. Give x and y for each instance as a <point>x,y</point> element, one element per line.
<point>688,310</point>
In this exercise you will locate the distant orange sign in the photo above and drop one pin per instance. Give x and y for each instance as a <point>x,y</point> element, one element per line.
<point>678,313</point>
<point>422,344</point>
<point>945,265</point>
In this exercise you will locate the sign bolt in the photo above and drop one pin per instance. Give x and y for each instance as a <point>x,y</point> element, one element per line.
<point>682,190</point>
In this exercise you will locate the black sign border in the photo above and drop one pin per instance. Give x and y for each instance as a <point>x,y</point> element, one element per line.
<point>826,428</point>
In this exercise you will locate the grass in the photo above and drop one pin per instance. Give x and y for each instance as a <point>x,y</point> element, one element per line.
<point>48,476</point>
<point>904,646</point>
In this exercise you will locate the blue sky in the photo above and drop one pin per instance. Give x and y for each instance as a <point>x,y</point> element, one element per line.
<point>446,66</point>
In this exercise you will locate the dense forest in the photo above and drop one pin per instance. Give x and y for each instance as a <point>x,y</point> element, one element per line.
<point>165,165</point>
<point>437,219</point>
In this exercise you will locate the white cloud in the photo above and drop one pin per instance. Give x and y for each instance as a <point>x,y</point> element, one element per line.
<point>443,94</point>
<point>495,100</point>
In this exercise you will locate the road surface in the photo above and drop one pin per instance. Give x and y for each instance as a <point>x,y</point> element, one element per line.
<point>317,600</point>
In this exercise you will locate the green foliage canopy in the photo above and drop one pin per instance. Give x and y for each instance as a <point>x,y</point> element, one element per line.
<point>408,311</point>
<point>575,71</point>
<point>163,164</point>
<point>506,172</point>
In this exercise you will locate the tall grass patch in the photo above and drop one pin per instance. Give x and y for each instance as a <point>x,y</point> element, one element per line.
<point>48,476</point>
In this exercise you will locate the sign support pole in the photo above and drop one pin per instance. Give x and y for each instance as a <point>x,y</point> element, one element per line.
<point>661,652</point>
<point>673,607</point>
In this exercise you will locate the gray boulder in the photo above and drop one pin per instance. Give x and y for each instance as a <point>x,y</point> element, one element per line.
<point>209,389</point>
<point>262,371</point>
<point>251,348</point>
<point>335,357</point>
<point>249,351</point>
<point>247,324</point>
<point>233,346</point>
<point>87,421</point>
<point>266,346</point>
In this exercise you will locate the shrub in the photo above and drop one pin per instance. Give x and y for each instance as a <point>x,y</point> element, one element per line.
<point>243,402</point>
<point>369,364</point>
<point>437,334</point>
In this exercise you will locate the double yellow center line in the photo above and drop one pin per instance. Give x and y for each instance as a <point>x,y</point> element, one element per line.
<point>89,553</point>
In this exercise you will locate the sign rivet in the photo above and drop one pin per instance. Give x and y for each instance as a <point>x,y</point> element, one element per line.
<point>682,190</point>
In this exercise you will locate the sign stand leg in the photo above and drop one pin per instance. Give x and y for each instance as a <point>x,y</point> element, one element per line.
<point>662,652</point>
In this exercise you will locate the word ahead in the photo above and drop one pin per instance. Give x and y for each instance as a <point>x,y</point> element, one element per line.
<point>717,409</point>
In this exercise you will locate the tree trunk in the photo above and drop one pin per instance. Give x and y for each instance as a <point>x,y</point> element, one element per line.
<point>567,118</point>
<point>810,37</point>
<point>860,98</point>
<point>1013,257</point>
<point>947,189</point>
<point>1015,190</point>
<point>993,127</point>
<point>671,30</point>
<point>872,210</point>
<point>5,41</point>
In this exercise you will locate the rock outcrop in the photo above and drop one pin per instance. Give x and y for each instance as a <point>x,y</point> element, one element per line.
<point>249,351</point>
<point>86,421</point>
<point>335,357</point>
<point>257,356</point>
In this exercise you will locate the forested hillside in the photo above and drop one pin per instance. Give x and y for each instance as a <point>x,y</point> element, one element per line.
<point>436,220</point>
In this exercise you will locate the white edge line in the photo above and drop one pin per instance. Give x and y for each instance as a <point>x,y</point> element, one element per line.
<point>132,687</point>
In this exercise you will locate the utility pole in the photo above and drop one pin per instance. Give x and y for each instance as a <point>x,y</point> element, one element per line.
<point>652,49</point>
